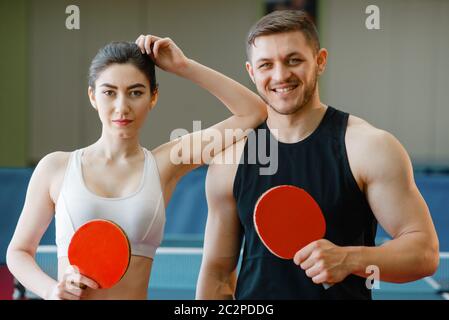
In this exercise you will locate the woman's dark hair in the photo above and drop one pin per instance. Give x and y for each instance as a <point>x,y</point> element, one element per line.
<point>122,52</point>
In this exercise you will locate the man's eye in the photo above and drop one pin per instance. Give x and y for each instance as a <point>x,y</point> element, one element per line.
<point>294,61</point>
<point>264,65</point>
<point>109,92</point>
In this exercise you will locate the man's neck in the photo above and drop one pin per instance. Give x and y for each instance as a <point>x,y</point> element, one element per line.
<point>298,126</point>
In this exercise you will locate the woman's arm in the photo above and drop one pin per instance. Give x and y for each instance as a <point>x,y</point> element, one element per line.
<point>198,148</point>
<point>37,213</point>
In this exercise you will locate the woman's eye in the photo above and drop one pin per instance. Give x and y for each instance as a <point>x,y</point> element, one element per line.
<point>135,93</point>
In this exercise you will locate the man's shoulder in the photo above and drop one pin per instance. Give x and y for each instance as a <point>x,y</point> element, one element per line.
<point>361,132</point>
<point>229,157</point>
<point>223,168</point>
<point>370,148</point>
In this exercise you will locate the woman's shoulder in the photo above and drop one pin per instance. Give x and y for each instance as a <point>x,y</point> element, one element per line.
<point>51,169</point>
<point>53,163</point>
<point>55,159</point>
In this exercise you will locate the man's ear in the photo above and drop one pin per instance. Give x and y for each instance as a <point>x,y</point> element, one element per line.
<point>91,94</point>
<point>154,97</point>
<point>250,70</point>
<point>321,59</point>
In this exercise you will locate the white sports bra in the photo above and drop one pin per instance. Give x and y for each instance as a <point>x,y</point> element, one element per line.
<point>141,214</point>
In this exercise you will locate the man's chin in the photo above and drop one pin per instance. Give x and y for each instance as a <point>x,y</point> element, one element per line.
<point>286,110</point>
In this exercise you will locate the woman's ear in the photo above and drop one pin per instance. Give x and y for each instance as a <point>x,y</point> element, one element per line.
<point>91,94</point>
<point>154,97</point>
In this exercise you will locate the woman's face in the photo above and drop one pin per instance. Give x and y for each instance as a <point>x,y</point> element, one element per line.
<point>123,99</point>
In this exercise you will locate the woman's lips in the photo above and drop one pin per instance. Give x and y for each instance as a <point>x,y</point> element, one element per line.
<point>122,123</point>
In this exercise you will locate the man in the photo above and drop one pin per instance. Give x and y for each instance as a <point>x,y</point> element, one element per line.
<point>357,173</point>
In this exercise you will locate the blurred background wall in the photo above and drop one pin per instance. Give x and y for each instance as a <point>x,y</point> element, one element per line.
<point>54,91</point>
<point>396,77</point>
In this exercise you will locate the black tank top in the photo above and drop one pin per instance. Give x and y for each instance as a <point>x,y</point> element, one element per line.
<point>318,164</point>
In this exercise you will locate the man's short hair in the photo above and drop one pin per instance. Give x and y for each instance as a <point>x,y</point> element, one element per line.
<point>284,21</point>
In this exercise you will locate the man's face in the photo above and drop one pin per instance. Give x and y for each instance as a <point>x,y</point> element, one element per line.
<point>284,69</point>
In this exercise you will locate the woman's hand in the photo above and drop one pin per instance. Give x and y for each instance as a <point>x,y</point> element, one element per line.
<point>72,286</point>
<point>164,52</point>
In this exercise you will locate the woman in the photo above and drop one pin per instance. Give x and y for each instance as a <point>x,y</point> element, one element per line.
<point>115,178</point>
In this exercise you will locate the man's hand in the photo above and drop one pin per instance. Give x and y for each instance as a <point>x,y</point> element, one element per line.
<point>324,262</point>
<point>164,52</point>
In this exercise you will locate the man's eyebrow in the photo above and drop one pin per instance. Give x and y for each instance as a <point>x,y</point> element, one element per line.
<point>262,59</point>
<point>293,53</point>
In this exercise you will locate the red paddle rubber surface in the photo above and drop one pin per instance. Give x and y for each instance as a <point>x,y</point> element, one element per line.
<point>100,250</point>
<point>287,219</point>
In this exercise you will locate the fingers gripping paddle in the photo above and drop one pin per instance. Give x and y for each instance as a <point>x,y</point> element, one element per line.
<point>287,219</point>
<point>100,250</point>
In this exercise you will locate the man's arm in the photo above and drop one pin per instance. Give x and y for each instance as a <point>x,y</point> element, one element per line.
<point>401,210</point>
<point>388,183</point>
<point>217,278</point>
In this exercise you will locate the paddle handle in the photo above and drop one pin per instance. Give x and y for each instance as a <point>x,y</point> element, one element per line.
<point>327,285</point>
<point>79,285</point>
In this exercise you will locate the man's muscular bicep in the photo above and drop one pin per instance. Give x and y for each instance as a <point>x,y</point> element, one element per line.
<point>390,187</point>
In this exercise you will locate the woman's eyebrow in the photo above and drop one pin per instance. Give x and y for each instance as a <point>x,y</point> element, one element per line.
<point>136,85</point>
<point>108,85</point>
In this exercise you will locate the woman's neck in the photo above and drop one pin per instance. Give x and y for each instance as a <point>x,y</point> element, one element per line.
<point>112,148</point>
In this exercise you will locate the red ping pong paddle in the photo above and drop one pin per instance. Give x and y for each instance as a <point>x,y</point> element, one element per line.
<point>100,250</point>
<point>287,219</point>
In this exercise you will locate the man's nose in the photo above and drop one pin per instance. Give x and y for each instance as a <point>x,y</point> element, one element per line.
<point>281,73</point>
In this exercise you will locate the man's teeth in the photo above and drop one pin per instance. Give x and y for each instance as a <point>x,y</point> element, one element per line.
<point>282,90</point>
